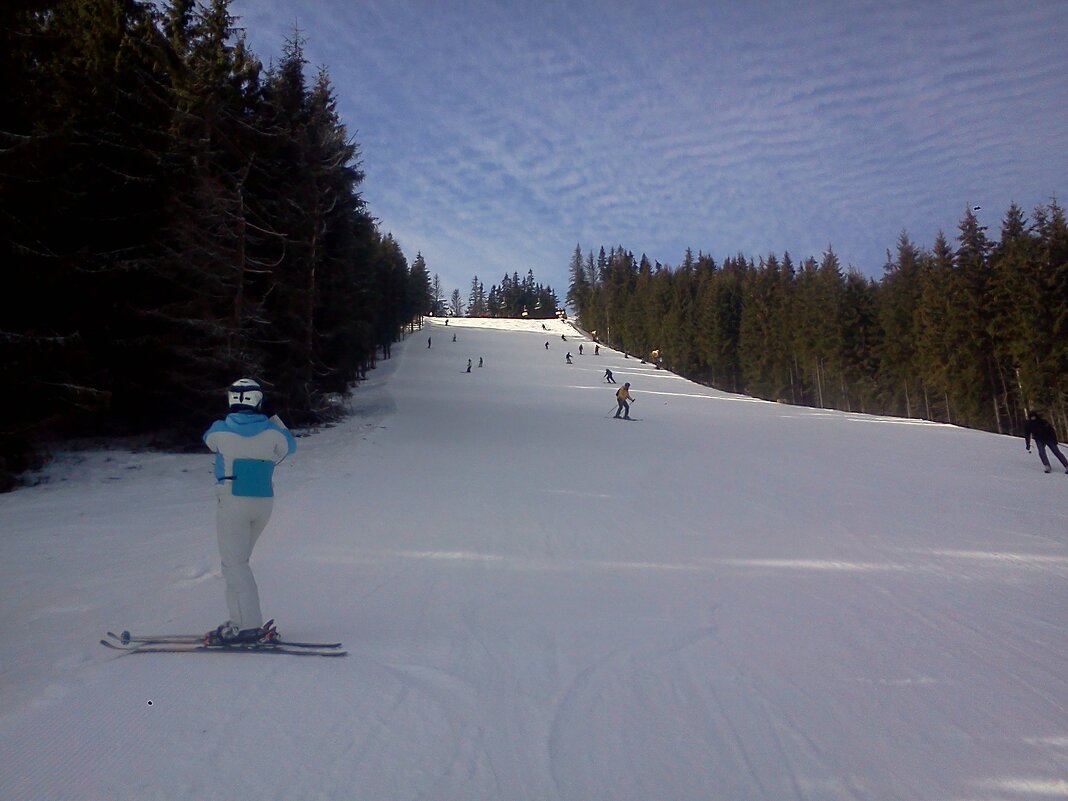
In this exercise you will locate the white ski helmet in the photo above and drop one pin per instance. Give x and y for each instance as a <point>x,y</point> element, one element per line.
<point>245,395</point>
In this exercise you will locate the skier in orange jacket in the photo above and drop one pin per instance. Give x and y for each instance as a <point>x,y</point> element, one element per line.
<point>622,396</point>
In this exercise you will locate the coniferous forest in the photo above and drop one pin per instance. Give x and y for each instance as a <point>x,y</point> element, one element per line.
<point>514,297</point>
<point>177,216</point>
<point>975,335</point>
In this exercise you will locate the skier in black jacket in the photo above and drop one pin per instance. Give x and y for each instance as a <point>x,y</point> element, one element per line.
<point>1045,437</point>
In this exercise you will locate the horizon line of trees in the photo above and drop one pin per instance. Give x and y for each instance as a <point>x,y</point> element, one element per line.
<point>177,216</point>
<point>975,335</point>
<point>514,298</point>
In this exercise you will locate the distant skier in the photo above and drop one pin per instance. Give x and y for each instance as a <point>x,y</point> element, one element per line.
<point>428,342</point>
<point>580,349</point>
<point>563,338</point>
<point>247,447</point>
<point>608,376</point>
<point>568,357</point>
<point>454,337</point>
<point>546,346</point>
<point>469,365</point>
<point>596,350</point>
<point>1045,437</point>
<point>622,396</point>
<point>479,361</point>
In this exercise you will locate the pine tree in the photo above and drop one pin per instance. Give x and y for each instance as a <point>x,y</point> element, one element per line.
<point>209,242</point>
<point>1052,368</point>
<point>861,339</point>
<point>818,333</point>
<point>678,331</point>
<point>1014,304</point>
<point>757,333</point>
<point>898,300</point>
<point>419,297</point>
<point>718,321</point>
<point>83,204</point>
<point>933,341</point>
<point>971,365</point>
<point>385,300</point>
<point>341,243</point>
<point>154,164</point>
<point>476,301</point>
<point>579,287</point>
<point>437,295</point>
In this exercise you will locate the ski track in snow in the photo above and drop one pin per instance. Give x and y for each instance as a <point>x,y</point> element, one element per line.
<point>735,599</point>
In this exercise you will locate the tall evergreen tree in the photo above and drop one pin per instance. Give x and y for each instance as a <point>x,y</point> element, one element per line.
<point>201,218</point>
<point>476,300</point>
<point>1051,373</point>
<point>898,301</point>
<point>971,356</point>
<point>934,342</point>
<point>579,287</point>
<point>419,292</point>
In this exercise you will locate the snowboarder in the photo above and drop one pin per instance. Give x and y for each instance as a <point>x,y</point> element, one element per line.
<point>1045,437</point>
<point>568,357</point>
<point>622,396</point>
<point>247,446</point>
<point>608,376</point>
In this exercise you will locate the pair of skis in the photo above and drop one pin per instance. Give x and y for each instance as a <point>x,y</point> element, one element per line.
<point>194,643</point>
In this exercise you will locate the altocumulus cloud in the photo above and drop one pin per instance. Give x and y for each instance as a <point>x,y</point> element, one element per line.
<point>497,135</point>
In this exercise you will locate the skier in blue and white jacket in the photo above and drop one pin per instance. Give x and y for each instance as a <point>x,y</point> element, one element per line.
<point>247,446</point>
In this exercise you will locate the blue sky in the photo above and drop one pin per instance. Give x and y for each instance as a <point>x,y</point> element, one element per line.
<point>497,135</point>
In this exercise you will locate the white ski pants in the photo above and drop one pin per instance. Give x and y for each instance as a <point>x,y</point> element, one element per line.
<point>240,522</point>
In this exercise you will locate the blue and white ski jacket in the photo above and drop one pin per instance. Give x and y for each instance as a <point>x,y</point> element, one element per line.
<point>247,446</point>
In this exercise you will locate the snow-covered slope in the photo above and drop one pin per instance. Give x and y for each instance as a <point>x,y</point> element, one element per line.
<point>729,599</point>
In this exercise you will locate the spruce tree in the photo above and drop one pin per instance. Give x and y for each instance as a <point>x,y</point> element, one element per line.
<point>579,286</point>
<point>420,301</point>
<point>934,341</point>
<point>971,365</point>
<point>898,300</point>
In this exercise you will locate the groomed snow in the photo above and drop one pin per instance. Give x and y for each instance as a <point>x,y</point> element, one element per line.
<point>729,599</point>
